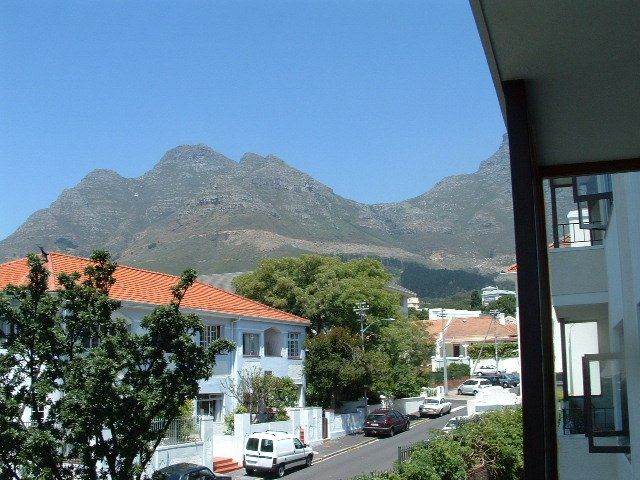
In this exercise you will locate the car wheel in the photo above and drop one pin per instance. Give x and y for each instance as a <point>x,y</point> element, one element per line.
<point>408,426</point>
<point>459,392</point>
<point>280,471</point>
<point>505,385</point>
<point>249,471</point>
<point>391,432</point>
<point>309,461</point>
<point>475,392</point>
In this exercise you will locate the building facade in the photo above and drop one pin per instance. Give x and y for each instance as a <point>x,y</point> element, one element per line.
<point>566,77</point>
<point>267,339</point>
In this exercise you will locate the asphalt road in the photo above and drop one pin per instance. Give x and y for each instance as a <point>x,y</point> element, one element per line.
<point>378,455</point>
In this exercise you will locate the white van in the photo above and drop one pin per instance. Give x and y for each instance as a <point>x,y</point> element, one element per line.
<point>275,452</point>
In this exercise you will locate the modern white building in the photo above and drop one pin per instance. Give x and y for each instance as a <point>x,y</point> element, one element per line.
<point>437,313</point>
<point>566,77</point>
<point>267,339</point>
<point>491,294</point>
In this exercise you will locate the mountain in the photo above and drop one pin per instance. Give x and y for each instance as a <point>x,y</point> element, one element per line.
<point>198,208</point>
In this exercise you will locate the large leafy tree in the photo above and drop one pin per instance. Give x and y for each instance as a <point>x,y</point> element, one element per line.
<point>76,383</point>
<point>322,289</point>
<point>340,363</point>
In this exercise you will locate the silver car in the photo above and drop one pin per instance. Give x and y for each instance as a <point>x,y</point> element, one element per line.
<point>473,385</point>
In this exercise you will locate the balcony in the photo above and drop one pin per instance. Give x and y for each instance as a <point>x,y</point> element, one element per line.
<point>578,276</point>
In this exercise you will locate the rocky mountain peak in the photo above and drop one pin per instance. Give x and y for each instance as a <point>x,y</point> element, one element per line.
<point>197,157</point>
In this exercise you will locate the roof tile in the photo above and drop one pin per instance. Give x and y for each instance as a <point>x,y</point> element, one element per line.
<point>143,286</point>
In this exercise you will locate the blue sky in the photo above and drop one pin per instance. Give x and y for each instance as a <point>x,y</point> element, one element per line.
<point>377,99</point>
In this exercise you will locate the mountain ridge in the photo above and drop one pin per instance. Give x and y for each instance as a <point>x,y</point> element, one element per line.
<point>196,207</point>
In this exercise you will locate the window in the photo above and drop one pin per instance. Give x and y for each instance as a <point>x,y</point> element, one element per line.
<point>293,345</point>
<point>91,342</point>
<point>252,444</point>
<point>5,331</point>
<point>266,445</point>
<point>251,344</point>
<point>210,405</point>
<point>209,334</point>
<point>297,443</point>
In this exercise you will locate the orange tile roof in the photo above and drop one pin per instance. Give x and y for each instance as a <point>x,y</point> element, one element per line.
<point>473,329</point>
<point>512,269</point>
<point>143,286</point>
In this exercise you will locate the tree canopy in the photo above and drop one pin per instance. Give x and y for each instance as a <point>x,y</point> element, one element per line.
<point>322,289</point>
<point>325,290</point>
<point>505,304</point>
<point>77,383</point>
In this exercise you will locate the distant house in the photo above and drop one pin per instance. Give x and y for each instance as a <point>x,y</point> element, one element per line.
<point>266,338</point>
<point>405,295</point>
<point>461,333</point>
<point>491,294</point>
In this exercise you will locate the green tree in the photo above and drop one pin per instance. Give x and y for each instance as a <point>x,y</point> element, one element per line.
<point>505,304</point>
<point>475,302</point>
<point>334,367</point>
<point>256,391</point>
<point>76,371</point>
<point>322,289</point>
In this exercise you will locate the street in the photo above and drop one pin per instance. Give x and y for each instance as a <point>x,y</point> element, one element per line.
<point>379,455</point>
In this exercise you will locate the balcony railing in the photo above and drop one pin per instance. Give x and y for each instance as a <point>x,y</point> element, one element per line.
<point>573,421</point>
<point>572,235</point>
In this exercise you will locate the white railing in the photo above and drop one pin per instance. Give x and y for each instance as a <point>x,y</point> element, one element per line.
<point>179,430</point>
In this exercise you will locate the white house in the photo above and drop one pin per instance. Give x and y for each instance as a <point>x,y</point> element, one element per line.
<point>266,338</point>
<point>491,294</point>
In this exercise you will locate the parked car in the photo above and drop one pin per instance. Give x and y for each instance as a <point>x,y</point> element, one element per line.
<point>473,385</point>
<point>505,380</point>
<point>434,406</point>
<point>188,471</point>
<point>385,421</point>
<point>275,452</point>
<point>486,370</point>
<point>453,424</point>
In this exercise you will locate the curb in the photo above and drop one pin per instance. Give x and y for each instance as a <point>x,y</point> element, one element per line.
<point>362,444</point>
<point>343,450</point>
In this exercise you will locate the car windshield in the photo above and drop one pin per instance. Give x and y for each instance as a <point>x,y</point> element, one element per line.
<point>252,444</point>
<point>432,400</point>
<point>378,417</point>
<point>453,423</point>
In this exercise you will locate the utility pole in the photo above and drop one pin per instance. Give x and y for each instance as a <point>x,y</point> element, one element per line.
<point>361,310</point>
<point>494,314</point>
<point>444,353</point>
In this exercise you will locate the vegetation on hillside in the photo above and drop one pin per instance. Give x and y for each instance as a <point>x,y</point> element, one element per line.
<point>436,283</point>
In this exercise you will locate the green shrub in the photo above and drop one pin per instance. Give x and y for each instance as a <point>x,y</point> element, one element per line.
<point>505,350</point>
<point>229,419</point>
<point>495,440</point>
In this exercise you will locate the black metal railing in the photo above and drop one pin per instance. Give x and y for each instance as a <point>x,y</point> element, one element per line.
<point>571,234</point>
<point>573,421</point>
<point>405,451</point>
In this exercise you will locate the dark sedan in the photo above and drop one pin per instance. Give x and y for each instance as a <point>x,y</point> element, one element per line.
<point>505,380</point>
<point>385,421</point>
<point>187,471</point>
